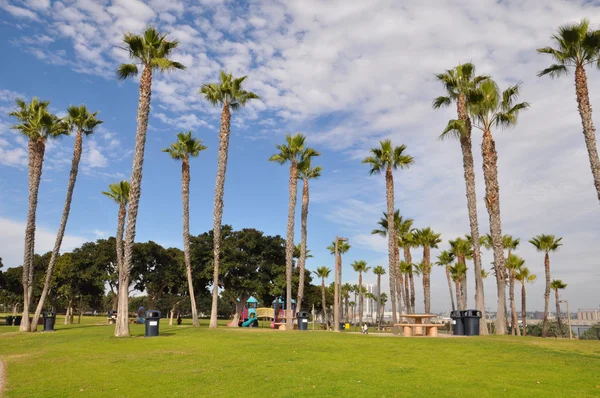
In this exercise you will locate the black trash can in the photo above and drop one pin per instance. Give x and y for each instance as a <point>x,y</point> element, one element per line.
<point>302,320</point>
<point>17,321</point>
<point>152,323</point>
<point>49,320</point>
<point>458,326</point>
<point>9,320</point>
<point>471,320</point>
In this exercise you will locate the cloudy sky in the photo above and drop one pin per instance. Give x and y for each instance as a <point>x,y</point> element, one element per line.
<point>345,73</point>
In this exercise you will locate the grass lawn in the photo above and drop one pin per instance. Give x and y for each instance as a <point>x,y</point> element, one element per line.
<point>86,361</point>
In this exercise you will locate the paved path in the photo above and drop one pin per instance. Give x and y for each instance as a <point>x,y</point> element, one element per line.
<point>2,377</point>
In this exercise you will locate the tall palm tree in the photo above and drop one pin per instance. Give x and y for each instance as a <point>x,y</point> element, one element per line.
<point>343,247</point>
<point>306,172</point>
<point>151,51</point>
<point>362,268</point>
<point>385,159</point>
<point>407,241</point>
<point>38,125</point>
<point>293,151</point>
<point>379,271</point>
<point>513,264</point>
<point>457,273</point>
<point>576,47</point>
<point>381,300</point>
<point>229,94</point>
<point>458,83</point>
<point>80,120</point>
<point>406,269</point>
<point>445,259</point>
<point>323,272</point>
<point>185,147</point>
<point>427,239</point>
<point>524,276</point>
<point>463,251</point>
<point>119,192</point>
<point>546,244</point>
<point>489,107</point>
<point>557,285</point>
<point>345,292</point>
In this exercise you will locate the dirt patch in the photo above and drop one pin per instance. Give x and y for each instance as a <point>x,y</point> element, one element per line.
<point>2,377</point>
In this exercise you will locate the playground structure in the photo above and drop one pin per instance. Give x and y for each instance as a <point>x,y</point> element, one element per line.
<point>248,317</point>
<point>251,314</point>
<point>279,311</point>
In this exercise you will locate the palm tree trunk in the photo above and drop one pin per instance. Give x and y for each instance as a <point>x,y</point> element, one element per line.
<point>515,330</point>
<point>408,260</point>
<point>546,295</point>
<point>412,291</point>
<point>289,244</point>
<point>392,243</point>
<point>323,301</point>
<point>469,173</point>
<point>589,132</point>
<point>458,294</point>
<point>122,325</point>
<point>303,232</point>
<point>450,288</point>
<point>360,298</point>
<point>399,280</point>
<point>119,242</point>
<point>524,309</point>
<point>218,208</point>
<point>427,280</point>
<point>61,229</point>
<point>378,299</point>
<point>492,202</point>
<point>557,299</point>
<point>185,195</point>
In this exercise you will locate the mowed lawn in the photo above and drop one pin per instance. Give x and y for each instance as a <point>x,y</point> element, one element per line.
<point>86,361</point>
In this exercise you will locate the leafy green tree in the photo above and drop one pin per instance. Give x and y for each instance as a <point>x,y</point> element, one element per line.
<point>546,244</point>
<point>362,268</point>
<point>183,149</point>
<point>38,125</point>
<point>427,239</point>
<point>323,273</point>
<point>513,264</point>
<point>385,159</point>
<point>230,95</point>
<point>558,285</point>
<point>524,276</point>
<point>445,259</point>
<point>379,271</point>
<point>577,46</point>
<point>80,120</point>
<point>11,288</point>
<point>151,50</point>
<point>458,83</point>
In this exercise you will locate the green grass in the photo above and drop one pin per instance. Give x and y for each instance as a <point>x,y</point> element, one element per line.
<point>85,360</point>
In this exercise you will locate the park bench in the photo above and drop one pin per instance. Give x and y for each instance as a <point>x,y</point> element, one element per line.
<point>416,329</point>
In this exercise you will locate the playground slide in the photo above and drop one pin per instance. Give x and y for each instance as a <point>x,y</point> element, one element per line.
<point>248,322</point>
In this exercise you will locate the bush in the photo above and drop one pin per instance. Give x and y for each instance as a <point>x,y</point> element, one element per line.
<point>592,334</point>
<point>553,329</point>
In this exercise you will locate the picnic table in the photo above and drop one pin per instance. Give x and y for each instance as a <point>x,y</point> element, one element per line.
<point>416,329</point>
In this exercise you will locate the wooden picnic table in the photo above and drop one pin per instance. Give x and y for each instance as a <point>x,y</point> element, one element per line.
<point>418,330</point>
<point>419,317</point>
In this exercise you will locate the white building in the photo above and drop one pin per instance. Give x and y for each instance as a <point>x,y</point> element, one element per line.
<point>370,305</point>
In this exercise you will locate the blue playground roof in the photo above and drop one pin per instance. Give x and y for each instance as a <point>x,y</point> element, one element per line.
<point>252,300</point>
<point>281,301</point>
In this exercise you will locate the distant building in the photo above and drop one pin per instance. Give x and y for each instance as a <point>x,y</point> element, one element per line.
<point>590,314</point>
<point>370,304</point>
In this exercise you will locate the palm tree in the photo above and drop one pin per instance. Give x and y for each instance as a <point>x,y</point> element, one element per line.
<point>371,296</point>
<point>119,192</point>
<point>458,83</point>
<point>343,247</point>
<point>524,276</point>
<point>385,159</point>
<point>381,300</point>
<point>513,265</point>
<point>491,108</point>
<point>151,50</point>
<point>406,269</point>
<point>306,173</point>
<point>83,122</point>
<point>323,272</point>
<point>185,147</point>
<point>445,259</point>
<point>463,251</point>
<point>38,125</point>
<point>427,239</point>
<point>407,241</point>
<point>557,285</point>
<point>345,292</point>
<point>546,244</point>
<point>457,273</point>
<point>293,151</point>
<point>229,94</point>
<point>360,267</point>
<point>379,271</point>
<point>578,46</point>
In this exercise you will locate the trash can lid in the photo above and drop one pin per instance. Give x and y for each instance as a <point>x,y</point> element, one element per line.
<point>49,314</point>
<point>153,314</point>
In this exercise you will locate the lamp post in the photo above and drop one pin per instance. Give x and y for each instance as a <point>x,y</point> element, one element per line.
<point>568,317</point>
<point>338,280</point>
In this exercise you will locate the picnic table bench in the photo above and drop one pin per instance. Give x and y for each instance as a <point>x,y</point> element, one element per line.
<point>416,329</point>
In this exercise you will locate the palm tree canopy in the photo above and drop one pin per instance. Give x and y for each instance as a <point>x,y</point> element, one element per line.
<point>305,169</point>
<point>119,192</point>
<point>426,237</point>
<point>461,247</point>
<point>576,45</point>
<point>36,121</point>
<point>343,247</point>
<point>151,49</point>
<point>459,80</point>
<point>514,262</point>
<point>457,271</point>
<point>228,91</point>
<point>388,156</point>
<point>379,270</point>
<point>546,243</point>
<point>297,252</point>
<point>418,268</point>
<point>557,284</point>
<point>484,273</point>
<point>80,119</point>
<point>482,240</point>
<point>185,147</point>
<point>293,150</point>
<point>322,272</point>
<point>403,226</point>
<point>445,258</point>
<point>405,268</point>
<point>360,266</point>
<point>523,275</point>
<point>510,243</point>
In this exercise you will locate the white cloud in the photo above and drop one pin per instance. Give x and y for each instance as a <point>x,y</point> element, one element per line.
<point>187,121</point>
<point>93,157</point>
<point>12,157</point>
<point>18,12</point>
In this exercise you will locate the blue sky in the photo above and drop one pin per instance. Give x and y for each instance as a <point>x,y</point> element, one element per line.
<point>346,75</point>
